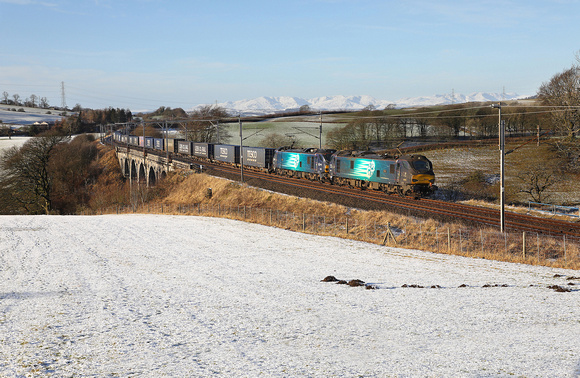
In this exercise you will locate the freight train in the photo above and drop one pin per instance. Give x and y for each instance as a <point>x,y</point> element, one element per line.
<point>404,174</point>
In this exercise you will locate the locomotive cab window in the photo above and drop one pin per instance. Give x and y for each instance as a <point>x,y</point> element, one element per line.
<point>378,173</point>
<point>392,168</point>
<point>337,165</point>
<point>352,164</point>
<point>421,166</point>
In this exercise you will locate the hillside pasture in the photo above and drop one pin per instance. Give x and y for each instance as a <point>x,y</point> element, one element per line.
<point>305,131</point>
<point>458,163</point>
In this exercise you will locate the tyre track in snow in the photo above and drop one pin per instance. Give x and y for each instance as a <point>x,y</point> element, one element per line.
<point>106,287</point>
<point>132,316</point>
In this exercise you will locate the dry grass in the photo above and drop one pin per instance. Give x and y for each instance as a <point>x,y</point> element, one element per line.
<point>183,193</point>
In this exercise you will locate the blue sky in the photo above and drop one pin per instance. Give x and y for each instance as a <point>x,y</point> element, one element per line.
<point>142,54</point>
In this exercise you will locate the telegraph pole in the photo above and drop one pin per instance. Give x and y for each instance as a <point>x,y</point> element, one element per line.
<point>320,130</point>
<point>501,126</point>
<point>241,149</point>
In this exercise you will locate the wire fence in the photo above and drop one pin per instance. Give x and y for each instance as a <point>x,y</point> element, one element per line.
<point>524,247</point>
<point>554,209</point>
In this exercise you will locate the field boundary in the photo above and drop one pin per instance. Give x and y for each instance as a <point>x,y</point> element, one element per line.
<point>487,243</point>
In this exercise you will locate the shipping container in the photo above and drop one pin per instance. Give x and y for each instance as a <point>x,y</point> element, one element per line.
<point>173,144</point>
<point>184,147</point>
<point>159,144</point>
<point>149,142</point>
<point>258,156</point>
<point>227,153</point>
<point>203,150</point>
<point>142,141</point>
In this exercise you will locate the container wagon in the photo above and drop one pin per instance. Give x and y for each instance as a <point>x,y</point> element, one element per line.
<point>227,153</point>
<point>184,147</point>
<point>203,150</point>
<point>259,157</point>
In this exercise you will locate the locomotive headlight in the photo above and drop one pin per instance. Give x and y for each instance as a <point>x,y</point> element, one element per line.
<point>423,179</point>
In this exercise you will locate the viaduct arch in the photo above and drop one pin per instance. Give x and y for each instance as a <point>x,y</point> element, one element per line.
<point>141,167</point>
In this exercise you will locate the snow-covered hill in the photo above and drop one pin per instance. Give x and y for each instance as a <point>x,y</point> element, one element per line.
<point>27,116</point>
<point>264,105</point>
<point>103,296</point>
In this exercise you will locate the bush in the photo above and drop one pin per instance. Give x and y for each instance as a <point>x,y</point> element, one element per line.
<point>477,185</point>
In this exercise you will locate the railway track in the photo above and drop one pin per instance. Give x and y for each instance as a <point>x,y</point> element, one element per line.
<point>370,199</point>
<point>436,208</point>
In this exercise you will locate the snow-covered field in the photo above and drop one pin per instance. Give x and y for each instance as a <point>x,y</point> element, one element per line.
<point>153,296</point>
<point>6,142</point>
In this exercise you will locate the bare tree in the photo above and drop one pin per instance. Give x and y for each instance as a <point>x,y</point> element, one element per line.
<point>34,100</point>
<point>453,119</point>
<point>16,98</point>
<point>536,181</point>
<point>26,173</point>
<point>563,92</point>
<point>43,102</point>
<point>5,96</point>
<point>150,131</point>
<point>275,140</point>
<point>205,124</point>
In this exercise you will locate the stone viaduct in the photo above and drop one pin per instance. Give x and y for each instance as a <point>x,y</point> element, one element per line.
<point>144,167</point>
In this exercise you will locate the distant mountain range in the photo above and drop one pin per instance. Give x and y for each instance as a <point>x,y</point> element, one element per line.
<point>265,105</point>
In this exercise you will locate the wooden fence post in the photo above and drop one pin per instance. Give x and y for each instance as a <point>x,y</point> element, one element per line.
<point>448,240</point>
<point>389,233</point>
<point>538,244</point>
<point>524,244</point>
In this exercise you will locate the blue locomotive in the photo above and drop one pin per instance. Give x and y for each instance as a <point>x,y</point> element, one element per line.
<point>405,175</point>
<point>310,163</point>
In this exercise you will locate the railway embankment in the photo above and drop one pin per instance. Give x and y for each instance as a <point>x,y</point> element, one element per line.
<point>186,193</point>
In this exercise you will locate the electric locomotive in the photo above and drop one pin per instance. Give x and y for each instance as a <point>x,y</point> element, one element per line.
<point>310,163</point>
<point>405,175</point>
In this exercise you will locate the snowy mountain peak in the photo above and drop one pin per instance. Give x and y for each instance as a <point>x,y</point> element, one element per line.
<point>265,105</point>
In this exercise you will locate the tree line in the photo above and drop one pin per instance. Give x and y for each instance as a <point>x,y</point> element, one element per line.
<point>204,124</point>
<point>385,128</point>
<point>87,120</point>
<point>33,101</point>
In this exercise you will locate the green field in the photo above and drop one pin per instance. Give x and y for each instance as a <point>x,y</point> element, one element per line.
<point>255,132</point>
